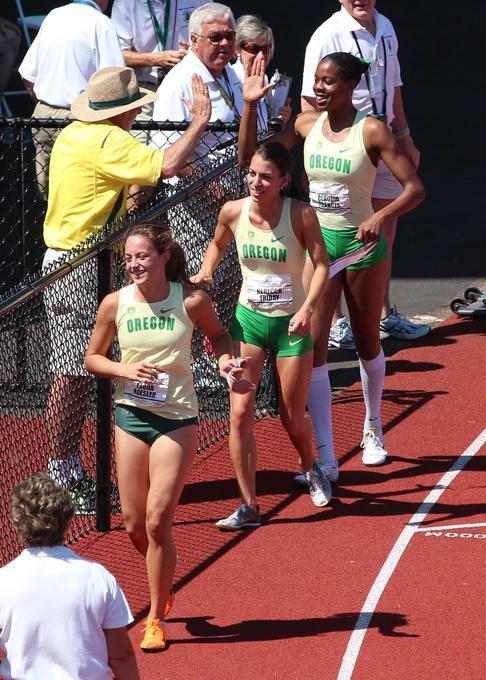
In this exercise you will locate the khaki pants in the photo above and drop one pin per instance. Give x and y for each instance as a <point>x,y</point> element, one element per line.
<point>44,139</point>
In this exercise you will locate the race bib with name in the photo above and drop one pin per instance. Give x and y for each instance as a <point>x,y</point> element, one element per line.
<point>269,289</point>
<point>330,197</point>
<point>148,394</point>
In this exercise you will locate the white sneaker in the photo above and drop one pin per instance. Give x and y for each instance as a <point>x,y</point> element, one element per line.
<point>330,472</point>
<point>373,451</point>
<point>341,335</point>
<point>395,325</point>
<point>319,487</point>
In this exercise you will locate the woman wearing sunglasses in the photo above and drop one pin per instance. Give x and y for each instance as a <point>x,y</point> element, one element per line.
<point>341,152</point>
<point>254,36</point>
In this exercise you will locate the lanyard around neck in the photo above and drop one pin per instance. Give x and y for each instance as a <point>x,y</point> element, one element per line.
<point>90,3</point>
<point>228,96</point>
<point>161,35</point>
<point>373,103</point>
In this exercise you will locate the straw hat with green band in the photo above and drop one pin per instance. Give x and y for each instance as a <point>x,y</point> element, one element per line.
<point>111,91</point>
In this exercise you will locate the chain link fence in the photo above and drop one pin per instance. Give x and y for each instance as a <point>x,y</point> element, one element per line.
<point>25,147</point>
<point>54,417</point>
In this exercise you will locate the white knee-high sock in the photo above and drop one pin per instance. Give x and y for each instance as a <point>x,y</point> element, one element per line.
<point>373,376</point>
<point>319,407</point>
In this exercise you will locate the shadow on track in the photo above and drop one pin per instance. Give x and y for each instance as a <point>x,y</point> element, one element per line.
<point>258,630</point>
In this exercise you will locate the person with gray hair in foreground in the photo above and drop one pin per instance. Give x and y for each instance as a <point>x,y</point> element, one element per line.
<point>61,616</point>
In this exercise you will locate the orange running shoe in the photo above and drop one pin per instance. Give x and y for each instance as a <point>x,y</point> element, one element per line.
<point>169,604</point>
<point>155,635</point>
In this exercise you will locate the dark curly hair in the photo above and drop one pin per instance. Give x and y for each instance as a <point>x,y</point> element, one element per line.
<point>40,510</point>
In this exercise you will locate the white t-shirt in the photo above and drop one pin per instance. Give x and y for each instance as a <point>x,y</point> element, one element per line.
<point>54,606</point>
<point>335,35</point>
<point>177,85</point>
<point>136,31</point>
<point>73,42</point>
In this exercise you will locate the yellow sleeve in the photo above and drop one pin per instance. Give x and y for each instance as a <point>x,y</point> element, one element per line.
<point>129,161</point>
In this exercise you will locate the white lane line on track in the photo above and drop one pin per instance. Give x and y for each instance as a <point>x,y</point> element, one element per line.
<point>448,527</point>
<point>357,636</point>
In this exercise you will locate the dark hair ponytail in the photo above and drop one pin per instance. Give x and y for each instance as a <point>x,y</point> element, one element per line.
<point>161,239</point>
<point>275,153</point>
<point>351,67</point>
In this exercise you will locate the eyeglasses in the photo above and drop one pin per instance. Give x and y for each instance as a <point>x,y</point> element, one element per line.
<point>216,38</point>
<point>254,48</point>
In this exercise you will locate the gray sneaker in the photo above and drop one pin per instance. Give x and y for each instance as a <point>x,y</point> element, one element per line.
<point>341,335</point>
<point>319,487</point>
<point>395,325</point>
<point>244,517</point>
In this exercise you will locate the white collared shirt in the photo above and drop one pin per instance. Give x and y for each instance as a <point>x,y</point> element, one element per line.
<point>54,607</point>
<point>73,42</point>
<point>177,85</point>
<point>335,35</point>
<point>136,31</point>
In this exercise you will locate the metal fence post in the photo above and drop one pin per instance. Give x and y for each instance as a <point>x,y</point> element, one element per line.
<point>17,129</point>
<point>104,415</point>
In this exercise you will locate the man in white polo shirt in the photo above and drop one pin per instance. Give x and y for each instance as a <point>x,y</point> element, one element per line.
<point>212,30</point>
<point>73,42</point>
<point>359,29</point>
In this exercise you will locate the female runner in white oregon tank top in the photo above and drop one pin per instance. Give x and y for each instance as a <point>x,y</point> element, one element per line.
<point>343,205</point>
<point>156,406</point>
<point>273,314</point>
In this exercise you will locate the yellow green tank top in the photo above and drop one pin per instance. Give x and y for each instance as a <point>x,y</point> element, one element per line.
<point>341,176</point>
<point>271,264</point>
<point>158,333</point>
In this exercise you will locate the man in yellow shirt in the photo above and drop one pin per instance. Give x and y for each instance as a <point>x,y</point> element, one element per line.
<point>93,162</point>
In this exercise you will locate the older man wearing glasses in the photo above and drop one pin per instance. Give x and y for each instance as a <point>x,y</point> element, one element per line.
<point>212,31</point>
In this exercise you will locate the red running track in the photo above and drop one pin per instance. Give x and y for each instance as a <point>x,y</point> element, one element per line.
<point>386,583</point>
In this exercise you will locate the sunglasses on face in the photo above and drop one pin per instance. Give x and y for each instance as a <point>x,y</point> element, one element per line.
<point>254,48</point>
<point>216,38</point>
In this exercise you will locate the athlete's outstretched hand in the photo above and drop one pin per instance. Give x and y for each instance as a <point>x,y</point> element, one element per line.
<point>232,370</point>
<point>254,87</point>
<point>201,278</point>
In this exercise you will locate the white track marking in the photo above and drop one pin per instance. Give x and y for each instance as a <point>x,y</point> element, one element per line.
<point>452,526</point>
<point>368,609</point>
